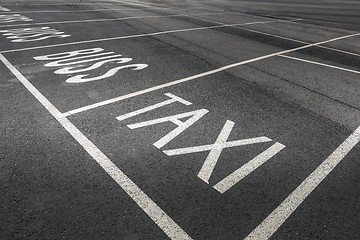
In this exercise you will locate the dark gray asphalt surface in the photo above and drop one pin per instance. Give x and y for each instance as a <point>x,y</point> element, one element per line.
<point>51,188</point>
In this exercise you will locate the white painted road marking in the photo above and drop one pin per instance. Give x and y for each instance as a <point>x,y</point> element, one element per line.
<point>272,223</point>
<point>111,19</point>
<point>173,99</point>
<point>200,75</point>
<point>94,10</point>
<point>69,63</point>
<point>204,148</point>
<point>215,151</point>
<point>33,34</point>
<point>320,64</point>
<point>192,116</point>
<point>248,168</point>
<point>280,37</point>
<point>4,9</point>
<point>8,18</point>
<point>140,35</point>
<point>167,225</point>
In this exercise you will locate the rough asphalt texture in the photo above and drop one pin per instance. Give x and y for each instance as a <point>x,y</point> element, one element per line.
<point>52,189</point>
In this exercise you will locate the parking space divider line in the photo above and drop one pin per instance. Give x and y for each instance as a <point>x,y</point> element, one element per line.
<point>280,37</point>
<point>167,225</point>
<point>197,76</point>
<point>320,64</point>
<point>110,19</point>
<point>274,221</point>
<point>141,35</point>
<point>93,10</point>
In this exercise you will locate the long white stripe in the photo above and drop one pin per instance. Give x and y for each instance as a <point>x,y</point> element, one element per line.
<point>176,82</point>
<point>321,64</point>
<point>278,36</point>
<point>140,35</point>
<point>109,19</point>
<point>272,223</point>
<point>93,10</point>
<point>142,200</point>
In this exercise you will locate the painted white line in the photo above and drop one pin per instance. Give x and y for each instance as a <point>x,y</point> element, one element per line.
<point>167,225</point>
<point>93,10</point>
<point>157,5</point>
<point>138,35</point>
<point>215,152</point>
<point>280,37</point>
<point>320,64</point>
<point>247,168</point>
<point>110,19</point>
<point>4,9</point>
<point>200,75</point>
<point>272,223</point>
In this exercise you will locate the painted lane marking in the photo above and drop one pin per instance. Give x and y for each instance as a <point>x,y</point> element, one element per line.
<point>157,5</point>
<point>200,75</point>
<point>274,221</point>
<point>8,18</point>
<point>4,9</point>
<point>320,64</point>
<point>248,168</point>
<point>96,10</point>
<point>140,35</point>
<point>111,19</point>
<point>32,34</point>
<point>277,36</point>
<point>70,63</point>
<point>167,225</point>
<point>173,99</point>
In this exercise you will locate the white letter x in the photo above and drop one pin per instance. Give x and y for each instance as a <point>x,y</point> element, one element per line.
<point>216,149</point>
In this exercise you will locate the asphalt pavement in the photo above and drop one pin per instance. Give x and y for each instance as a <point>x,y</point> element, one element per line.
<point>179,119</point>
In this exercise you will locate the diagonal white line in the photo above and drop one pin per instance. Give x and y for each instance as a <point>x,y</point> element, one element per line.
<point>272,222</point>
<point>200,75</point>
<point>320,64</point>
<point>280,37</point>
<point>248,168</point>
<point>92,10</point>
<point>140,35</point>
<point>110,19</point>
<point>142,200</point>
<point>215,152</point>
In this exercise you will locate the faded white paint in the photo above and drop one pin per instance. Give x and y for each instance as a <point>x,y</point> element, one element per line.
<point>8,18</point>
<point>32,34</point>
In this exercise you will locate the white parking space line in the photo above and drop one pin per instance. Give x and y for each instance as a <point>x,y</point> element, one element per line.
<point>143,35</point>
<point>200,75</point>
<point>196,6</point>
<point>168,226</point>
<point>272,223</point>
<point>95,10</point>
<point>112,19</point>
<point>280,37</point>
<point>320,64</point>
